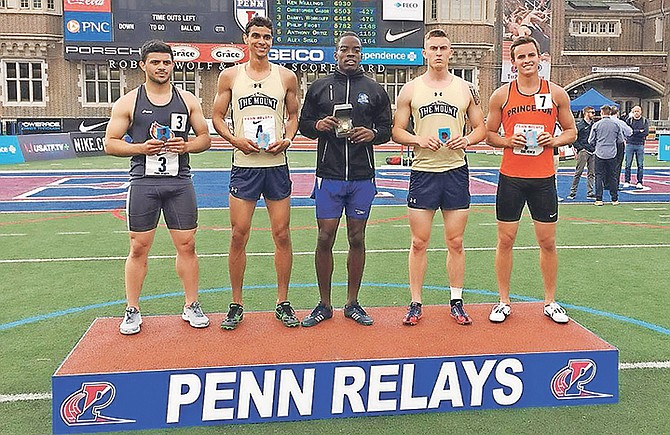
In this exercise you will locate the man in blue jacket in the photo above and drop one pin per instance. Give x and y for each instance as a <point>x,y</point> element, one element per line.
<point>348,113</point>
<point>585,156</point>
<point>635,146</point>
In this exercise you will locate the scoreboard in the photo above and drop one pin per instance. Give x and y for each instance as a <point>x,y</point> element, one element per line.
<point>305,31</point>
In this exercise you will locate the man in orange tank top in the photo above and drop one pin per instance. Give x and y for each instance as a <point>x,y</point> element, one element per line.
<point>528,109</point>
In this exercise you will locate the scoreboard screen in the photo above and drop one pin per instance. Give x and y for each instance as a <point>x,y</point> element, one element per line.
<point>305,31</point>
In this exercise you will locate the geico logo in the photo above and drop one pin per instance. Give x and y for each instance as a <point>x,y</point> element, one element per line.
<point>227,54</point>
<point>408,5</point>
<point>185,53</point>
<point>110,51</point>
<point>299,54</point>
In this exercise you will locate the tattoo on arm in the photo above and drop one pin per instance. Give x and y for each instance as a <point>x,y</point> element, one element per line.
<point>475,94</point>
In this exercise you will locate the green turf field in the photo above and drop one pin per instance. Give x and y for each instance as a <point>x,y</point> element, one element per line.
<point>607,262</point>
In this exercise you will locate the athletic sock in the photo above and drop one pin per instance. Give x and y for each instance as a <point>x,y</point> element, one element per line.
<point>456,293</point>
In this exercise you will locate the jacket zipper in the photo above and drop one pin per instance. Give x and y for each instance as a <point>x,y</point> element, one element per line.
<point>346,140</point>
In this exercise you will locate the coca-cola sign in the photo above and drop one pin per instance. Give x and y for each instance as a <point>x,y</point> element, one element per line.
<point>87,5</point>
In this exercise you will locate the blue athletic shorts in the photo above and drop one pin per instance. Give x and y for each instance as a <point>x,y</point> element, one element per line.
<point>449,190</point>
<point>539,193</point>
<point>333,196</point>
<point>177,201</point>
<point>274,183</point>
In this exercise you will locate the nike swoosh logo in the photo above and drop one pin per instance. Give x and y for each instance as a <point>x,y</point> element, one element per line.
<point>86,128</point>
<point>390,37</point>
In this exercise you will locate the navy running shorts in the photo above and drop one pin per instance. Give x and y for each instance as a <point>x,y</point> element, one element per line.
<point>539,193</point>
<point>354,197</point>
<point>177,201</point>
<point>274,183</point>
<point>449,190</point>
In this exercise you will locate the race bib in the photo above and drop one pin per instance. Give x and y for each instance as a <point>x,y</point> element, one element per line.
<point>162,165</point>
<point>260,129</point>
<point>178,122</point>
<point>531,132</point>
<point>543,101</point>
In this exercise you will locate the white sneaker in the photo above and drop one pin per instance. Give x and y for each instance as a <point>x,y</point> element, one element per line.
<point>132,320</point>
<point>500,312</point>
<point>556,312</point>
<point>626,185</point>
<point>639,186</point>
<point>194,316</point>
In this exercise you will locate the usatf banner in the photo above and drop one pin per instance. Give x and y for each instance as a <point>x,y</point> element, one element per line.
<point>322,390</point>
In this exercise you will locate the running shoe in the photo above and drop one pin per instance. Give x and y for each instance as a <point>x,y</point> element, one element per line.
<point>413,314</point>
<point>132,320</point>
<point>556,313</point>
<point>357,313</point>
<point>500,312</point>
<point>285,313</point>
<point>458,312</point>
<point>318,315</point>
<point>194,316</point>
<point>234,316</point>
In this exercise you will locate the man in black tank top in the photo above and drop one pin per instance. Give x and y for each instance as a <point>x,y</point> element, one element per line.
<point>150,124</point>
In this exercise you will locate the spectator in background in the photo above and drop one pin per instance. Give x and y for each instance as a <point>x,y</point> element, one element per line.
<point>604,136</point>
<point>620,146</point>
<point>584,157</point>
<point>635,145</point>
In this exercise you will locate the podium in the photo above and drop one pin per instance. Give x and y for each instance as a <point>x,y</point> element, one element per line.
<point>172,375</point>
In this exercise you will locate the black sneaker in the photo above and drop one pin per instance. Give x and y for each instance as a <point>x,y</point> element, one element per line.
<point>571,196</point>
<point>285,313</point>
<point>318,315</point>
<point>458,312</point>
<point>413,314</point>
<point>234,316</point>
<point>357,313</point>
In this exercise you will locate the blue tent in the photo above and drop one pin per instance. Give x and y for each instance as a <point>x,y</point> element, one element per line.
<point>591,98</point>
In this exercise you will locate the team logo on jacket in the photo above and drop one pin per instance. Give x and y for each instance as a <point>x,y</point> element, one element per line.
<point>363,98</point>
<point>438,107</point>
<point>570,381</point>
<point>160,132</point>
<point>257,99</point>
<point>84,406</point>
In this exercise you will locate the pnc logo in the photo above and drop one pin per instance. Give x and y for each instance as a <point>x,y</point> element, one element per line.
<point>73,26</point>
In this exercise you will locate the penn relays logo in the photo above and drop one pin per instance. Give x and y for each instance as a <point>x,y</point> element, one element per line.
<point>84,406</point>
<point>160,132</point>
<point>570,382</point>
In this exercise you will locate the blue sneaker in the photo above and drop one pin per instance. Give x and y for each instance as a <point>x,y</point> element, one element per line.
<point>357,313</point>
<point>318,315</point>
<point>458,312</point>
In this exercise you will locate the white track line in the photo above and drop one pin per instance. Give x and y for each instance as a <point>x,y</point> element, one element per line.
<point>369,251</point>
<point>8,398</point>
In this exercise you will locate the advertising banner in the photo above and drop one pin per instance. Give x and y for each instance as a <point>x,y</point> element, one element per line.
<point>212,31</point>
<point>38,126</point>
<point>84,125</point>
<point>526,18</point>
<point>46,146</point>
<point>10,152</point>
<point>88,144</point>
<point>322,390</point>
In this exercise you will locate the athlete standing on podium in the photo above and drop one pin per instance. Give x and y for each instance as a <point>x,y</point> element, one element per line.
<point>260,95</point>
<point>528,109</point>
<point>156,119</point>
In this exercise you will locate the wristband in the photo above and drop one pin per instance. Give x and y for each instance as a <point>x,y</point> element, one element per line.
<point>467,141</point>
<point>290,142</point>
